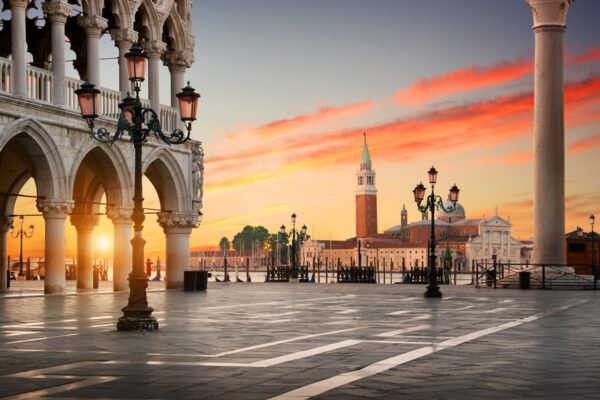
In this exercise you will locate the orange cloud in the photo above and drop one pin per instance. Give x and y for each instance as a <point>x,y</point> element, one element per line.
<point>463,80</point>
<point>584,144</point>
<point>472,126</point>
<point>589,56</point>
<point>472,78</point>
<point>309,121</point>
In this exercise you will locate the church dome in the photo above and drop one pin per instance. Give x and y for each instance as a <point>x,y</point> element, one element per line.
<point>452,216</point>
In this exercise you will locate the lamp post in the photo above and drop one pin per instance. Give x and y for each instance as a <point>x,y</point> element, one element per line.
<point>592,221</point>
<point>20,234</point>
<point>138,122</point>
<point>296,237</point>
<point>433,202</point>
<point>279,242</point>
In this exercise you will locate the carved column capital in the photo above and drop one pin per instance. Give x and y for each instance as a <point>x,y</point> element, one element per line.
<point>549,13</point>
<point>178,222</point>
<point>58,11</point>
<point>119,215</point>
<point>181,59</point>
<point>18,3</point>
<point>124,37</point>
<point>154,48</point>
<point>84,222</point>
<point>55,209</point>
<point>93,24</point>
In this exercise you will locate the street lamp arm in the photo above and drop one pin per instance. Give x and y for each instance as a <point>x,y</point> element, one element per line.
<point>103,135</point>
<point>153,125</point>
<point>448,209</point>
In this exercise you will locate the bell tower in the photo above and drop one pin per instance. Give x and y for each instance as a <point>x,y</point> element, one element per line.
<point>366,196</point>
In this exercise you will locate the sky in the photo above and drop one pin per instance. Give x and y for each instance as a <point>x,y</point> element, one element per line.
<point>288,87</point>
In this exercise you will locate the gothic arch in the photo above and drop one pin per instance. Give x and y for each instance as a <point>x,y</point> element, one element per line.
<point>163,170</point>
<point>114,175</point>
<point>44,162</point>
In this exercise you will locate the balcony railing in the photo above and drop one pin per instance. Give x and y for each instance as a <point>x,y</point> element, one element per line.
<point>39,87</point>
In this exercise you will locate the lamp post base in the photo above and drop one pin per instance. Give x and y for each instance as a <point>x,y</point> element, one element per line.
<point>137,320</point>
<point>433,292</point>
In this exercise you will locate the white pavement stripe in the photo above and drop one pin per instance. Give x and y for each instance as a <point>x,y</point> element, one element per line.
<point>260,346</point>
<point>464,308</point>
<point>495,310</point>
<point>326,385</point>
<point>109,316</point>
<point>405,330</point>
<point>399,312</point>
<point>19,333</point>
<point>305,353</point>
<point>350,311</point>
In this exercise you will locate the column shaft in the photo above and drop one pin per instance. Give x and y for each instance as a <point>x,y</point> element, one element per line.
<point>54,281</point>
<point>178,258</point>
<point>177,83</point>
<point>122,255</point>
<point>58,63</point>
<point>124,84</point>
<point>154,81</point>
<point>3,264</point>
<point>18,47</point>
<point>85,260</point>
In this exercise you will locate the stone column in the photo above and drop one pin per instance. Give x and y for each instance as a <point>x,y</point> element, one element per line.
<point>55,212</point>
<point>549,24</point>
<point>123,38</point>
<point>85,248</point>
<point>177,228</point>
<point>93,25</point>
<point>18,46</point>
<point>122,263</point>
<point>4,226</point>
<point>58,12</point>
<point>178,62</point>
<point>154,50</point>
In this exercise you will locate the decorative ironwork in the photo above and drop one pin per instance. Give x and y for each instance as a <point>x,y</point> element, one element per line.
<point>356,275</point>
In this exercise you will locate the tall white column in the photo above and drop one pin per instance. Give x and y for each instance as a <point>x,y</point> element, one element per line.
<point>55,213</point>
<point>93,25</point>
<point>58,11</point>
<point>154,50</point>
<point>18,46</point>
<point>177,82</point>
<point>123,233</point>
<point>123,38</point>
<point>177,228</point>
<point>85,248</point>
<point>549,24</point>
<point>4,226</point>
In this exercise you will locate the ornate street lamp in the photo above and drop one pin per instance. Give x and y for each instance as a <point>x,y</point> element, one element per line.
<point>433,202</point>
<point>138,122</point>
<point>297,238</point>
<point>592,221</point>
<point>20,234</point>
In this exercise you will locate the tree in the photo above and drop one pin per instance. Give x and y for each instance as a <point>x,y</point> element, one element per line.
<point>251,237</point>
<point>224,244</point>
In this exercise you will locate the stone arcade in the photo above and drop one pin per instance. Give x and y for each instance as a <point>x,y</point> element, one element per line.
<point>42,135</point>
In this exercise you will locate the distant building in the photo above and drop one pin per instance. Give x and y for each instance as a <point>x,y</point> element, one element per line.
<point>407,244</point>
<point>579,250</point>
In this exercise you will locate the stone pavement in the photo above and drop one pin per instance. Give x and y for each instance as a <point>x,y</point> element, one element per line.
<point>296,341</point>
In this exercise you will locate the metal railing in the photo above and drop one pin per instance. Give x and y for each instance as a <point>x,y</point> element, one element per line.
<point>356,275</point>
<point>542,276</point>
